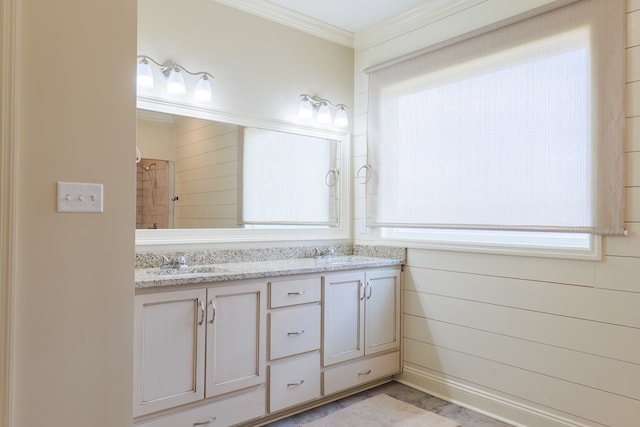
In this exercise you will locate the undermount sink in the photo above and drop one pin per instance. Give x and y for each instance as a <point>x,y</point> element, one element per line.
<point>192,269</point>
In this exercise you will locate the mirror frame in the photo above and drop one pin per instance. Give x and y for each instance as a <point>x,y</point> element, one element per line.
<point>193,236</point>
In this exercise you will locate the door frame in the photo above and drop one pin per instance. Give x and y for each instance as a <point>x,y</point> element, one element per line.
<point>8,173</point>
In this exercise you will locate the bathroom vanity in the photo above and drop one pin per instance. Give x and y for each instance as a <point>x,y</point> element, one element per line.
<point>249,342</point>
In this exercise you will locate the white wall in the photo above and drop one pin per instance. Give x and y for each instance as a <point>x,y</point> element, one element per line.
<point>260,67</point>
<point>206,175</point>
<point>538,341</point>
<point>73,300</point>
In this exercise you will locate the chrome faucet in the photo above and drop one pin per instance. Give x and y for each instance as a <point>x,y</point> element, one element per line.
<point>166,262</point>
<point>183,259</point>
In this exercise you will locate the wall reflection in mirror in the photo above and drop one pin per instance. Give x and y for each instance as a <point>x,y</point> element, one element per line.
<point>197,173</point>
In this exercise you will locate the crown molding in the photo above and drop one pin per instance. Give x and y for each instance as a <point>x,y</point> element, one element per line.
<point>410,21</point>
<point>292,19</point>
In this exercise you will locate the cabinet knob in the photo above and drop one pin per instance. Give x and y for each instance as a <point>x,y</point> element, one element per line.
<point>295,293</point>
<point>367,372</point>
<point>300,332</point>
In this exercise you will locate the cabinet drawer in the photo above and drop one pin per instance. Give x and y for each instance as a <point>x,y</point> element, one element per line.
<point>360,372</point>
<point>294,331</point>
<point>233,410</point>
<point>296,291</point>
<point>294,381</point>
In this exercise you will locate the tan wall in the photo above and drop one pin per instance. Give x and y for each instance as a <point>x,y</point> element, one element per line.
<point>72,346</point>
<point>539,341</point>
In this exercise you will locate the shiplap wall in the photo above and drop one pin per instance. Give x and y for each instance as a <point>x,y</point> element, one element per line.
<point>206,178</point>
<point>535,341</point>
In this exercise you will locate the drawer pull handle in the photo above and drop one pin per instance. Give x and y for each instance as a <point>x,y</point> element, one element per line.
<point>295,384</point>
<point>367,372</point>
<point>213,311</point>
<point>300,332</point>
<point>204,423</point>
<point>201,321</point>
<point>295,293</point>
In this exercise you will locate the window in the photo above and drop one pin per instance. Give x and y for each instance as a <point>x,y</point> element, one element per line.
<point>288,179</point>
<point>519,129</point>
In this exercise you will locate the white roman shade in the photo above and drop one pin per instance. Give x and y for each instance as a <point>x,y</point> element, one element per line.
<point>518,128</point>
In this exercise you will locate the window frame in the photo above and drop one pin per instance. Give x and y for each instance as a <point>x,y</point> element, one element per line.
<point>414,238</point>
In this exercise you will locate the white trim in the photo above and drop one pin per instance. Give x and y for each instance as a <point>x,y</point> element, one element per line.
<point>8,147</point>
<point>293,19</point>
<point>410,21</point>
<point>432,12</point>
<point>470,241</point>
<point>513,412</point>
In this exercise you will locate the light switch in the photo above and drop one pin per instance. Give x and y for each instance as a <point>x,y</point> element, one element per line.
<point>79,197</point>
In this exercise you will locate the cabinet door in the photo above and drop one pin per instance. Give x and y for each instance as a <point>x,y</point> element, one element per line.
<point>168,350</point>
<point>343,317</point>
<point>382,310</point>
<point>236,337</point>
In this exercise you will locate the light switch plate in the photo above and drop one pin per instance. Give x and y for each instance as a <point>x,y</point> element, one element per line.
<point>362,226</point>
<point>79,197</point>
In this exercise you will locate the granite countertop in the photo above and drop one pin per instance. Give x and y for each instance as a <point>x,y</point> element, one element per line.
<point>206,273</point>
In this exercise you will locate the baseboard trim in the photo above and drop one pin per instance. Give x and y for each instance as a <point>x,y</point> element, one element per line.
<point>483,401</point>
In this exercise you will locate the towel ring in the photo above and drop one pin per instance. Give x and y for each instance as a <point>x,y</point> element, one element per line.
<point>331,178</point>
<point>367,174</point>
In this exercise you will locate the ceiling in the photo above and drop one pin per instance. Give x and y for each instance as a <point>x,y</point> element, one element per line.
<point>350,15</point>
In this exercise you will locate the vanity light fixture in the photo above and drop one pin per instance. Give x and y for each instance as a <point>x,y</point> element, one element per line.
<point>175,82</point>
<point>174,74</point>
<point>323,107</point>
<point>145,74</point>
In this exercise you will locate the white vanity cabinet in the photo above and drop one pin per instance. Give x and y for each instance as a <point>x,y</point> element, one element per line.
<point>361,327</point>
<point>197,344</point>
<point>245,351</point>
<point>294,341</point>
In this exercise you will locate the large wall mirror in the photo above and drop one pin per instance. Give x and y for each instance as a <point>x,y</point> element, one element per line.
<point>204,176</point>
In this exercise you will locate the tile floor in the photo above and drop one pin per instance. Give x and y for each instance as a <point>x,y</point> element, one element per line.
<point>466,417</point>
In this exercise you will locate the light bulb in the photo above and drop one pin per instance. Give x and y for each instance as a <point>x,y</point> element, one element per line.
<point>175,82</point>
<point>342,119</point>
<point>202,91</point>
<point>324,114</point>
<point>305,109</point>
<point>145,75</point>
